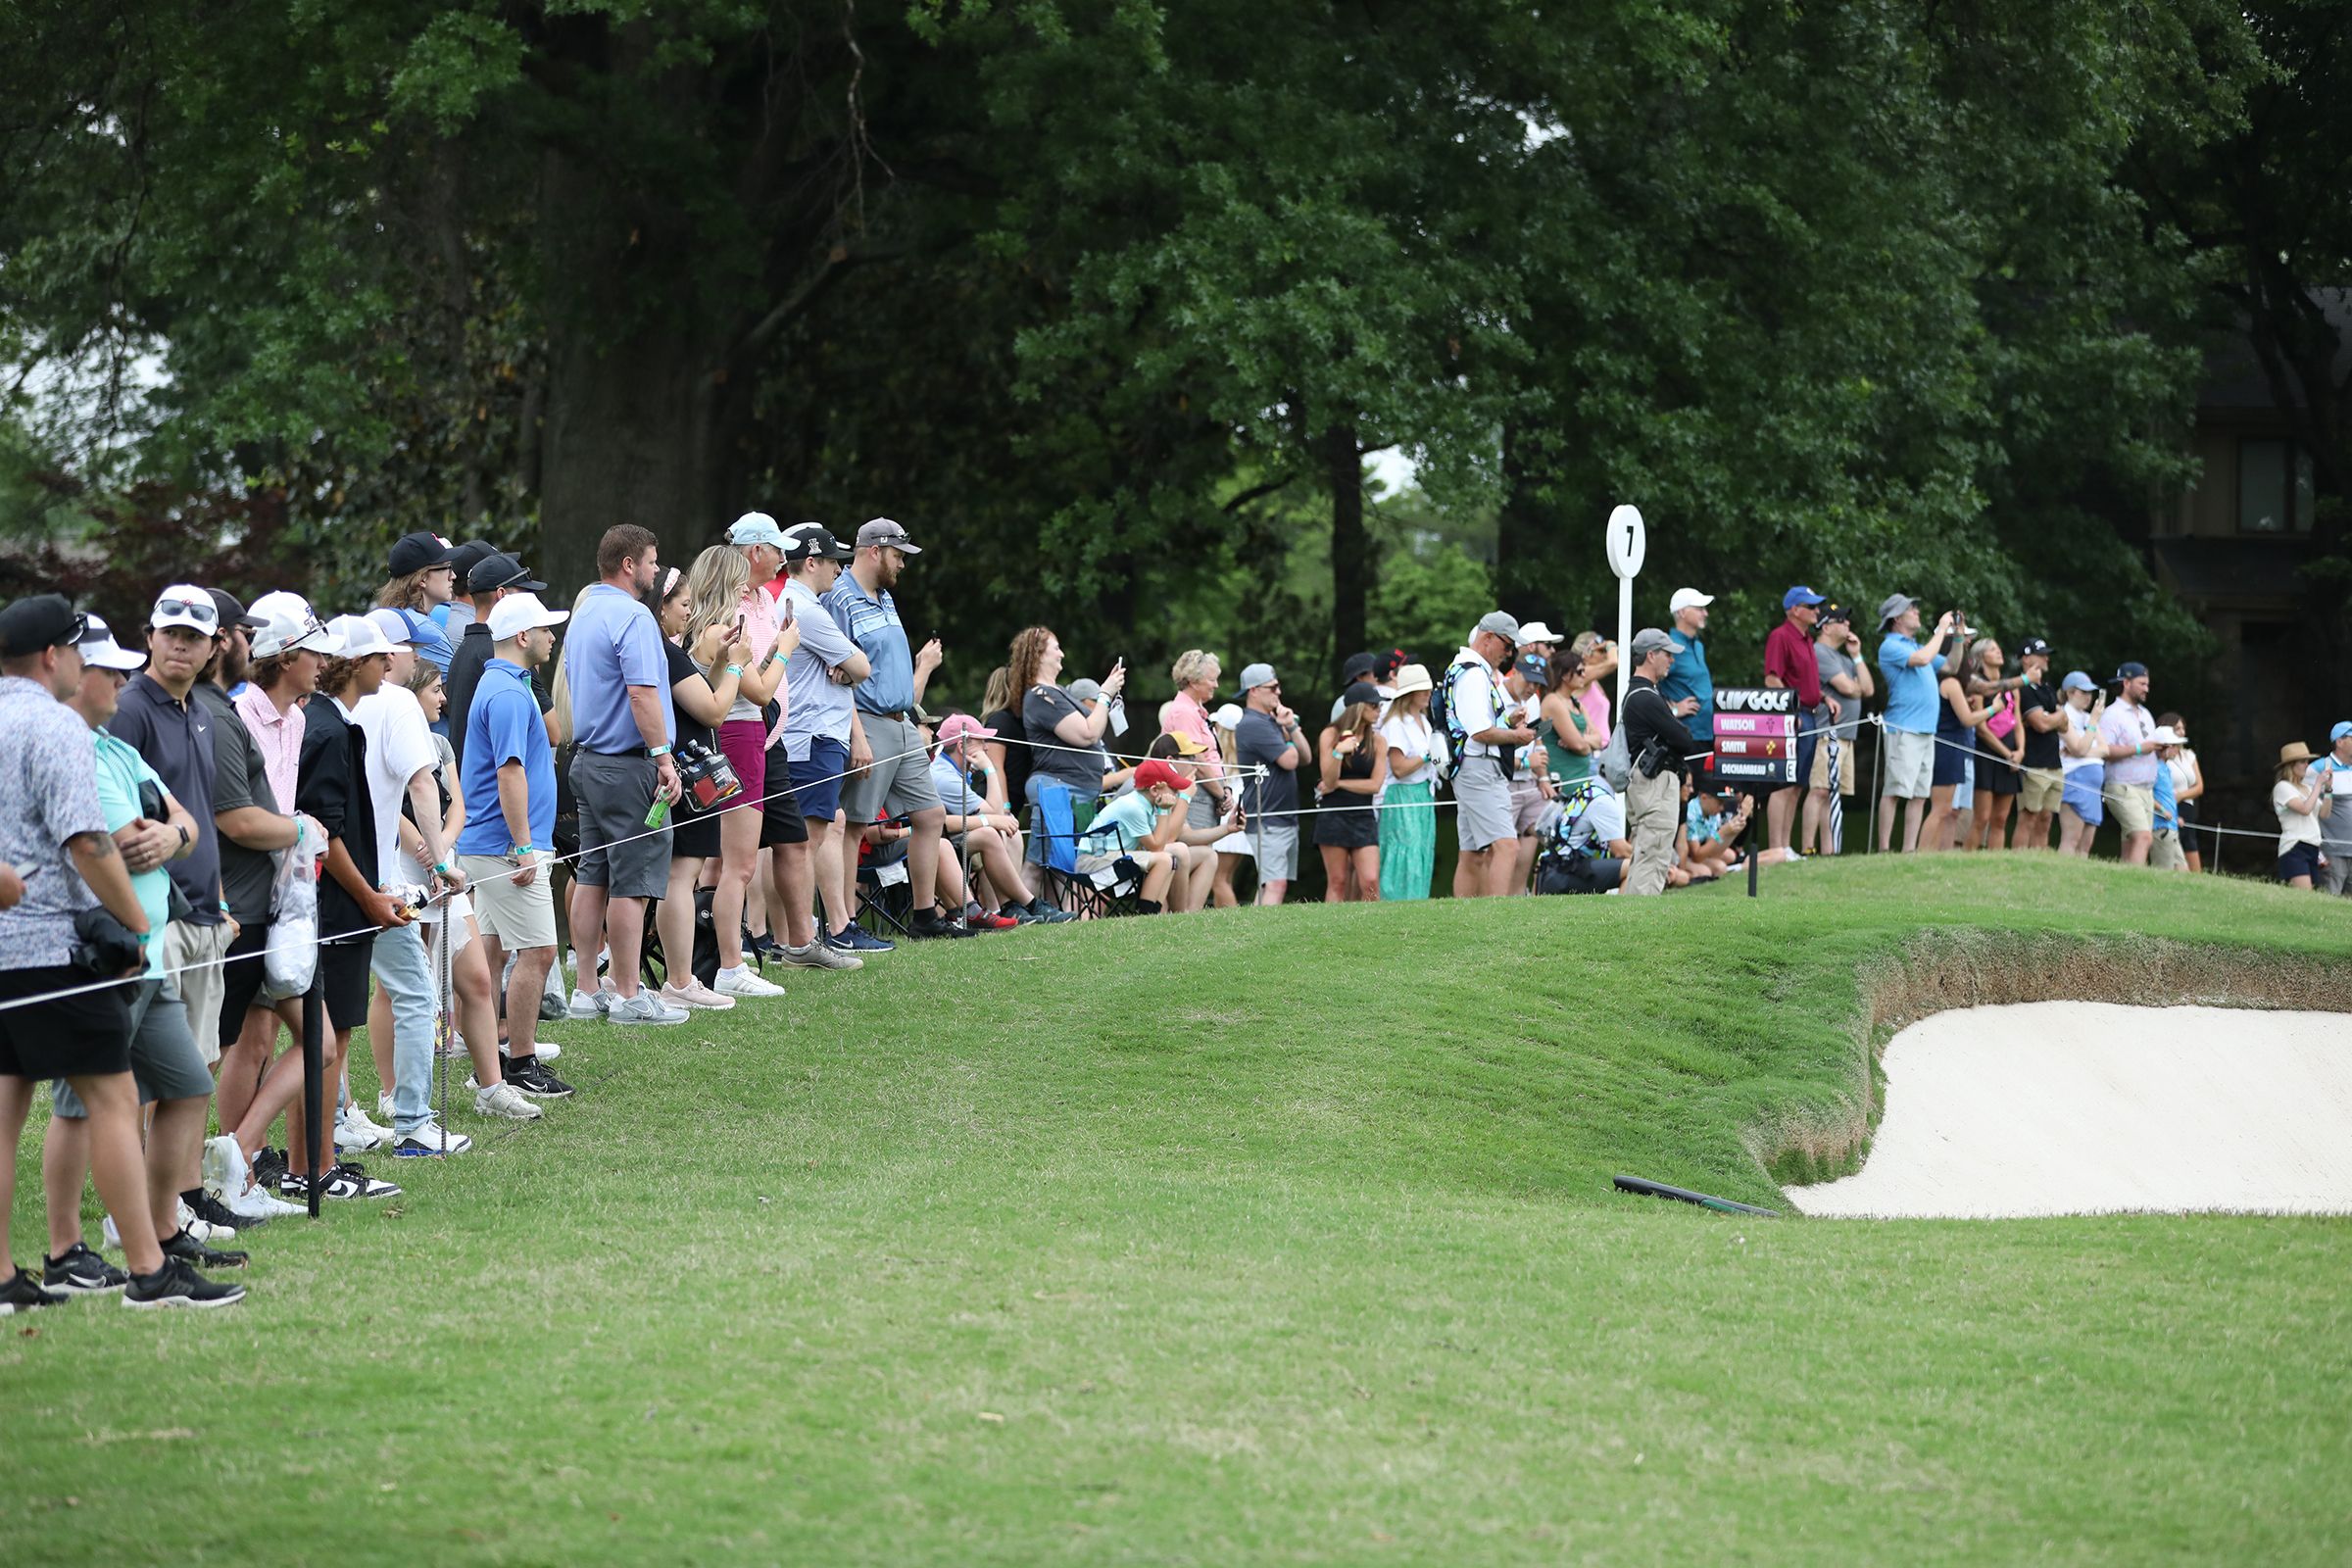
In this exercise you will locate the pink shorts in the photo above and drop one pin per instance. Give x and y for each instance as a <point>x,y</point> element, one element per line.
<point>745,741</point>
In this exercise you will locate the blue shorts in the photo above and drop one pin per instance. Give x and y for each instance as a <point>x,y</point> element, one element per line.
<point>2300,859</point>
<point>820,794</point>
<point>2080,791</point>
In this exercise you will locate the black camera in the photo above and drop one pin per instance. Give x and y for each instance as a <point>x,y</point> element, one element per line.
<point>104,946</point>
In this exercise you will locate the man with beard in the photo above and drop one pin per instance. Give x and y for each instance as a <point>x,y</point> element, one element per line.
<point>622,725</point>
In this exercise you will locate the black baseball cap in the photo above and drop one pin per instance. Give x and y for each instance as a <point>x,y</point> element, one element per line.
<point>1835,611</point>
<point>232,610</point>
<point>1534,666</point>
<point>496,569</point>
<point>468,555</point>
<point>814,541</point>
<point>2034,645</point>
<point>414,552</point>
<point>1359,666</point>
<point>45,620</point>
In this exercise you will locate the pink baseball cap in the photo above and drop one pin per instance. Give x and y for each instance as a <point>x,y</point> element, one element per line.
<point>962,727</point>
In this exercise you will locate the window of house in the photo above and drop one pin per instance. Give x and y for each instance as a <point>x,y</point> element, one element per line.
<point>2273,487</point>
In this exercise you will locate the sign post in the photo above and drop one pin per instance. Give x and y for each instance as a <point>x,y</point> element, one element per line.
<point>1628,540</point>
<point>1755,746</point>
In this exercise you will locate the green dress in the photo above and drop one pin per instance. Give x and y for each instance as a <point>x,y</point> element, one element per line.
<point>1408,833</point>
<point>1567,766</point>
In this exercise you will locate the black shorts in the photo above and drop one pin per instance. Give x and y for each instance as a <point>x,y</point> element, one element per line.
<point>1998,775</point>
<point>72,1037</point>
<point>343,966</point>
<point>780,816</point>
<point>693,838</point>
<point>241,979</point>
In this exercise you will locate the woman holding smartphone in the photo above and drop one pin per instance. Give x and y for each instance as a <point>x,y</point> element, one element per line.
<point>713,596</point>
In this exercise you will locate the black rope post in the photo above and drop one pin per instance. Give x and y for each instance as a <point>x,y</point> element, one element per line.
<point>314,1074</point>
<point>1755,853</point>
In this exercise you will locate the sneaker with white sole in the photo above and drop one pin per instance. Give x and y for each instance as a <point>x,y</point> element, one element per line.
<point>501,1100</point>
<point>588,1005</point>
<point>693,994</point>
<point>742,982</point>
<point>255,1206</point>
<point>223,1167</point>
<point>644,1007</point>
<point>548,1049</point>
<point>822,955</point>
<point>175,1284</point>
<point>187,1222</point>
<point>428,1137</point>
<point>355,1132</point>
<point>346,1178</point>
<point>78,1271</point>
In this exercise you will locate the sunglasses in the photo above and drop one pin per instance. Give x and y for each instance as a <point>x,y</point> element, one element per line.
<point>198,609</point>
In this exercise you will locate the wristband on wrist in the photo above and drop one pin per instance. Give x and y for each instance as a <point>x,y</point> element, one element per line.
<point>657,750</point>
<point>225,907</point>
<point>441,866</point>
<point>734,669</point>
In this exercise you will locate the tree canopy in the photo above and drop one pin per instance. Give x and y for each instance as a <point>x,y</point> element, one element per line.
<point>1111,302</point>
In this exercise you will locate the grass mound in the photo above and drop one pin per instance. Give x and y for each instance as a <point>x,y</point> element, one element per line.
<point>1280,1234</point>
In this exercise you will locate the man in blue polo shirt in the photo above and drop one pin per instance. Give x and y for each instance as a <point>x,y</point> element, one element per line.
<point>509,778</point>
<point>1912,670</point>
<point>896,771</point>
<point>621,725</point>
<point>1688,684</point>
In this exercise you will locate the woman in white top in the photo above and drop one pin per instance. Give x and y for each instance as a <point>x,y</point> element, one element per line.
<point>2188,787</point>
<point>2301,799</point>
<point>2083,762</point>
<point>1408,820</point>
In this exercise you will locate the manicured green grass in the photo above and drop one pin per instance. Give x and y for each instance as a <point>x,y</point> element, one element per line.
<point>1265,1236</point>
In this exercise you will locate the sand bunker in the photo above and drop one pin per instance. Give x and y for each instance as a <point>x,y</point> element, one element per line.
<point>2083,1108</point>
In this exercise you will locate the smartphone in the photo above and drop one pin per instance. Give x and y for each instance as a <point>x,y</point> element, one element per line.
<point>784,619</point>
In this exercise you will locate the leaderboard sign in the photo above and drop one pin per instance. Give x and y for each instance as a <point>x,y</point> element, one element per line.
<point>1755,735</point>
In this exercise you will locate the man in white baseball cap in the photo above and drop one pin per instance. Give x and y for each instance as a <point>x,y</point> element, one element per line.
<point>1688,684</point>
<point>401,763</point>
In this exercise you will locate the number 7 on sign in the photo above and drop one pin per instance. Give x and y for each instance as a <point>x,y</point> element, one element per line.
<point>1627,540</point>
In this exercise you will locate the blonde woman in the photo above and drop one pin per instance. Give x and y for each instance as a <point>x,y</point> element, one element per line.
<point>1196,673</point>
<point>1354,766</point>
<point>699,701</point>
<point>1234,847</point>
<point>712,620</point>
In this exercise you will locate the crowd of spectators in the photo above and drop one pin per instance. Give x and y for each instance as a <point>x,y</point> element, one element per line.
<point>731,758</point>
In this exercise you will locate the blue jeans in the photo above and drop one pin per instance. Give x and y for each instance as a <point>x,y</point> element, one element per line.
<point>401,967</point>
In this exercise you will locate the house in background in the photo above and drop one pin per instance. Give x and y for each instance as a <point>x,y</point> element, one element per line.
<point>2229,547</point>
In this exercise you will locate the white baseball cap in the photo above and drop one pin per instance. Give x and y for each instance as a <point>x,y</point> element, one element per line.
<point>187,604</point>
<point>1688,599</point>
<point>289,624</point>
<point>99,648</point>
<point>1535,631</point>
<point>518,614</point>
<point>360,635</point>
<point>751,528</point>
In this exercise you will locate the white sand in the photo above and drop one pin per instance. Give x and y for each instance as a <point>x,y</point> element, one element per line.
<point>2079,1108</point>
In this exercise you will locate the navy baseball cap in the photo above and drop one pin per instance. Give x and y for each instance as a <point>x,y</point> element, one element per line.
<point>1534,667</point>
<point>2129,669</point>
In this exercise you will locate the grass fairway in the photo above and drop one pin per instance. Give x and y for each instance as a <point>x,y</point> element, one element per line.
<point>1269,1236</point>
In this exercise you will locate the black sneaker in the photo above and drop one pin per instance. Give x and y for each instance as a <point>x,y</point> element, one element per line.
<point>928,924</point>
<point>210,1209</point>
<point>346,1180</point>
<point>193,1252</point>
<point>530,1077</point>
<point>175,1284</point>
<point>22,1292</point>
<point>269,1167</point>
<point>765,947</point>
<point>78,1271</point>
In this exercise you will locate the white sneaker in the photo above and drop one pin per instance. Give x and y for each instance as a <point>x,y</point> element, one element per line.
<point>742,982</point>
<point>549,1050</point>
<point>256,1205</point>
<point>113,1237</point>
<point>693,994</point>
<point>645,1008</point>
<point>188,1222</point>
<point>201,1230</point>
<point>429,1136</point>
<point>588,1004</point>
<point>383,1108</point>
<point>354,1131</point>
<point>822,955</point>
<point>501,1100</point>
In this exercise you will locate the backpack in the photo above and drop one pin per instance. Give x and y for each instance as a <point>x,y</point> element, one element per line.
<point>1446,721</point>
<point>1613,763</point>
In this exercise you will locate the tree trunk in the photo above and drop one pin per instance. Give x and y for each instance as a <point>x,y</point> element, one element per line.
<point>1351,550</point>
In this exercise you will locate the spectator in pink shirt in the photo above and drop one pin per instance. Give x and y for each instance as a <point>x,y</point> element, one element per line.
<point>1600,656</point>
<point>1196,673</point>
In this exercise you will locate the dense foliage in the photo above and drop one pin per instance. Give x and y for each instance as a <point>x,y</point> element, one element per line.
<point>1109,302</point>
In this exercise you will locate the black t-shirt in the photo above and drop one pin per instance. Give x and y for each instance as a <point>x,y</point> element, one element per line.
<point>2041,747</point>
<point>1007,724</point>
<point>1081,768</point>
<point>690,729</point>
<point>239,779</point>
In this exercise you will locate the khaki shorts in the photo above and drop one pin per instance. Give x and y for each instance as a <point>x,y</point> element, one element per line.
<point>2042,790</point>
<point>2165,854</point>
<point>1819,778</point>
<point>200,990</point>
<point>1910,765</point>
<point>2133,807</point>
<point>518,917</point>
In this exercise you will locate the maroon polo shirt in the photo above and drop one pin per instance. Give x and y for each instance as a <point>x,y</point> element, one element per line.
<point>1788,658</point>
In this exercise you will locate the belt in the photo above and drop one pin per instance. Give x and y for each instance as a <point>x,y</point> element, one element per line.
<point>905,715</point>
<point>633,751</point>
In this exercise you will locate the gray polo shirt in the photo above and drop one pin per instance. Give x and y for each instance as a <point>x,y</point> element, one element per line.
<point>814,703</point>
<point>48,794</point>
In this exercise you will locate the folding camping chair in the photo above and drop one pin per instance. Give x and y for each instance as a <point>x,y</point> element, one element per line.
<point>1056,823</point>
